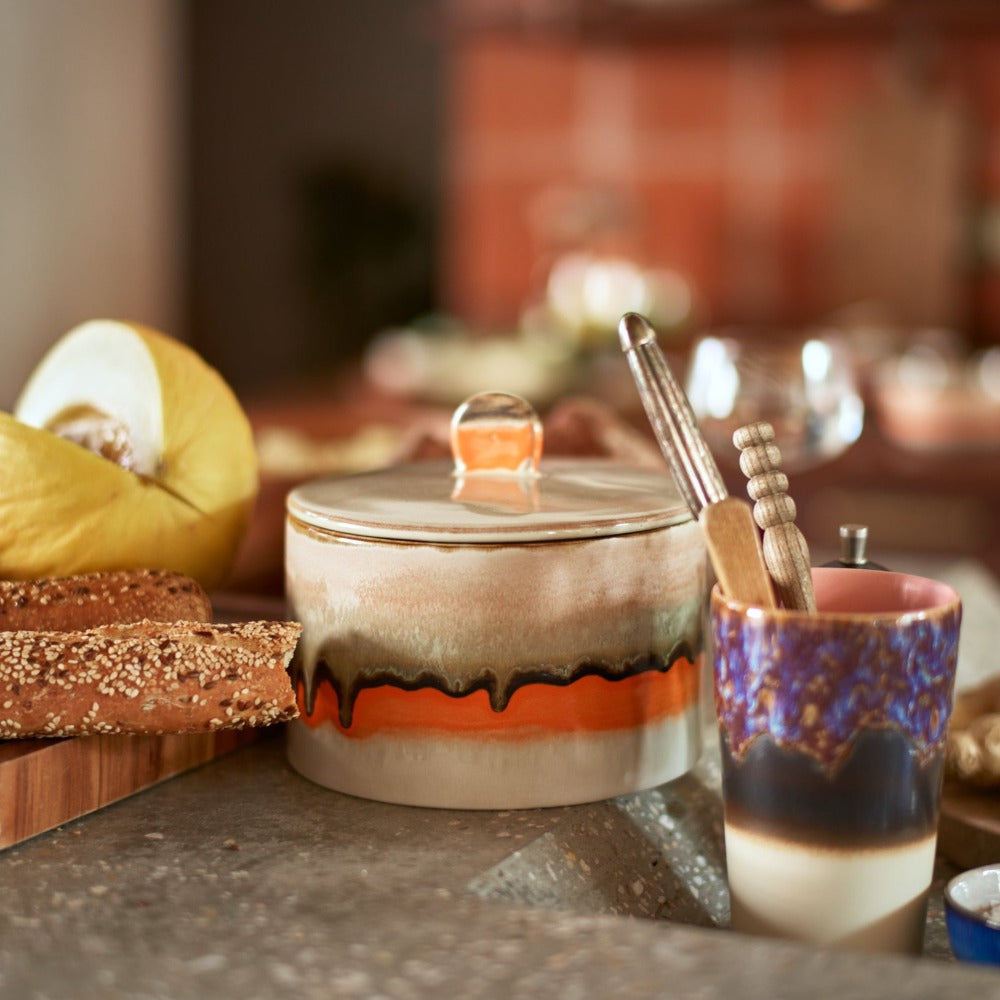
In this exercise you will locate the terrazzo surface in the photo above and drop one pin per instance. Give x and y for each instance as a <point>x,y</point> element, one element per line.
<point>244,880</point>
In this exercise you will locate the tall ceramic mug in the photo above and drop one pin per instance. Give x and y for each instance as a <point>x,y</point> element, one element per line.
<point>833,729</point>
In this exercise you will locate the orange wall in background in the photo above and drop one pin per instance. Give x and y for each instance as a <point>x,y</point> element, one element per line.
<point>786,177</point>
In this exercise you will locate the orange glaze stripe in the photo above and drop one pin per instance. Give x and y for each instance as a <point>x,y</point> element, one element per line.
<point>589,704</point>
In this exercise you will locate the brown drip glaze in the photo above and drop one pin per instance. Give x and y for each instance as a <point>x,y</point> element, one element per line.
<point>882,795</point>
<point>499,692</point>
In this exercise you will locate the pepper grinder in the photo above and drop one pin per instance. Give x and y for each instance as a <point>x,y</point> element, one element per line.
<point>853,548</point>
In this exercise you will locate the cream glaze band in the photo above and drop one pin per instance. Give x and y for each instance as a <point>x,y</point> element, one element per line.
<point>471,773</point>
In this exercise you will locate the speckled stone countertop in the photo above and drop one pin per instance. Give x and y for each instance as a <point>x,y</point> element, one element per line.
<point>243,880</point>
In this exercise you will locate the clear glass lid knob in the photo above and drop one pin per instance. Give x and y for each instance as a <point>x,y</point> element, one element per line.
<point>496,433</point>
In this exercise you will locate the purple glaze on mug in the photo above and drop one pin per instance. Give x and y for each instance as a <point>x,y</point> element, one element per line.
<point>880,653</point>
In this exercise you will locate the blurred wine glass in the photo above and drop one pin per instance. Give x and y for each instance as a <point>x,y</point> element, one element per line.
<point>802,383</point>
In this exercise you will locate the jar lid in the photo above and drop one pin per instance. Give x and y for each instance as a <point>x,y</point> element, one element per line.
<point>496,491</point>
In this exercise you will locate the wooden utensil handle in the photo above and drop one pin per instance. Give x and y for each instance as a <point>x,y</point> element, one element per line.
<point>735,552</point>
<point>785,550</point>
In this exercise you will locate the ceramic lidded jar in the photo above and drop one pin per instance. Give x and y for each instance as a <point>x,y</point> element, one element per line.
<point>506,632</point>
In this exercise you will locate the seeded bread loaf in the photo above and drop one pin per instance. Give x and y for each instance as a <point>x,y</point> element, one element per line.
<point>79,602</point>
<point>146,677</point>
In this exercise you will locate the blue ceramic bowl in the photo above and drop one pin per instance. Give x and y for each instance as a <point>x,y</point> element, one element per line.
<point>972,913</point>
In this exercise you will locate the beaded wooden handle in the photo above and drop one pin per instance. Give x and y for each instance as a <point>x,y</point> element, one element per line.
<point>785,550</point>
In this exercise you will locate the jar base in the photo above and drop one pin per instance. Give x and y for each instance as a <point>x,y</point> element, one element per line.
<point>467,772</point>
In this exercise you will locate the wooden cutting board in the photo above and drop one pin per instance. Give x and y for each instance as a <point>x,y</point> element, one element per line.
<point>44,783</point>
<point>969,827</point>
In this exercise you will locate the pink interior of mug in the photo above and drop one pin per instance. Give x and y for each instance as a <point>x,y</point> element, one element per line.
<point>859,591</point>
